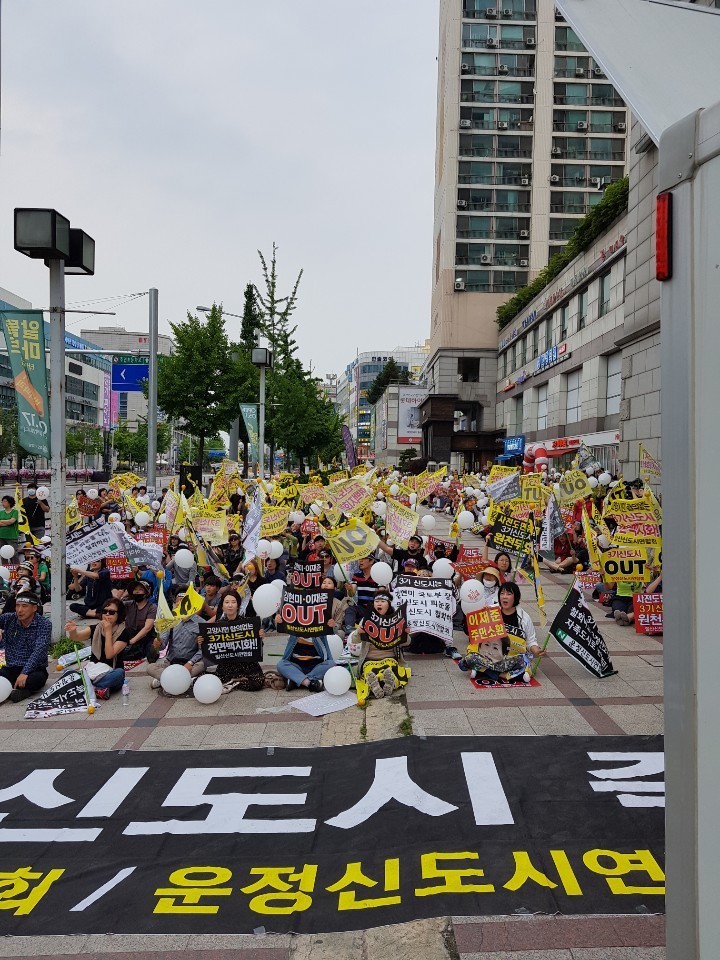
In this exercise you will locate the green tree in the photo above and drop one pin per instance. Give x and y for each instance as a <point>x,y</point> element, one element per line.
<point>84,439</point>
<point>390,373</point>
<point>276,310</point>
<point>9,445</point>
<point>406,458</point>
<point>252,318</point>
<point>200,384</point>
<point>189,445</point>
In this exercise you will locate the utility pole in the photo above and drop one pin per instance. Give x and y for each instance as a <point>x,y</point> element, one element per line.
<point>57,445</point>
<point>152,389</point>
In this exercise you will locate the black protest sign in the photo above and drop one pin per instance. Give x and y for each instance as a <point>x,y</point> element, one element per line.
<point>67,695</point>
<point>307,576</point>
<point>331,838</point>
<point>306,613</point>
<point>232,643</point>
<point>575,629</point>
<point>385,632</point>
<point>512,535</point>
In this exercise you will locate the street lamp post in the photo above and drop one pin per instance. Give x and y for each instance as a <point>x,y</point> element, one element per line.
<point>43,234</point>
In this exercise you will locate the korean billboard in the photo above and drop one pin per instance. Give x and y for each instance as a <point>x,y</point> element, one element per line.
<point>409,400</point>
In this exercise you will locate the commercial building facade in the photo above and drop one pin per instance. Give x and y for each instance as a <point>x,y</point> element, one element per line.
<point>528,132</point>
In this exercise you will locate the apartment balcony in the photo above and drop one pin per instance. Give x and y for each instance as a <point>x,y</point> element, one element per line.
<point>561,99</point>
<point>504,13</point>
<point>492,43</point>
<point>564,127</point>
<point>521,180</point>
<point>568,45</point>
<point>496,98</point>
<point>495,207</point>
<point>494,124</point>
<point>473,71</point>
<point>571,209</point>
<point>566,154</point>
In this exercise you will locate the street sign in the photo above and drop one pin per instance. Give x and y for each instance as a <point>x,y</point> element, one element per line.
<point>127,359</point>
<point>129,377</point>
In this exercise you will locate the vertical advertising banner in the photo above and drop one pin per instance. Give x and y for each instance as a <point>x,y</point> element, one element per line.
<point>349,447</point>
<point>250,417</point>
<point>107,401</point>
<point>25,338</point>
<point>409,400</point>
<point>114,409</point>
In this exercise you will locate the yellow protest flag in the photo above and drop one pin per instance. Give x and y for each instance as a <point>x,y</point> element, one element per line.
<point>273,521</point>
<point>573,486</point>
<point>589,535</point>
<point>23,525</point>
<point>353,541</point>
<point>191,603</point>
<point>165,620</point>
<point>73,518</point>
<point>400,522</point>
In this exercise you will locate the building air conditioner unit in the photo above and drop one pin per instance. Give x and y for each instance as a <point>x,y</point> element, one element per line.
<point>462,204</point>
<point>598,71</point>
<point>507,12</point>
<point>465,124</point>
<point>556,151</point>
<point>491,42</point>
<point>524,234</point>
<point>554,178</point>
<point>580,72</point>
<point>523,263</point>
<point>530,41</point>
<point>620,127</point>
<point>502,125</point>
<point>524,181</point>
<point>459,283</point>
<point>596,181</point>
<point>581,125</point>
<point>485,258</point>
<point>491,13</point>
<point>464,68</point>
<point>503,68</point>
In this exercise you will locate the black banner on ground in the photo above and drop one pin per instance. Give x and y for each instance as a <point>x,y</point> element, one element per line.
<point>232,644</point>
<point>339,838</point>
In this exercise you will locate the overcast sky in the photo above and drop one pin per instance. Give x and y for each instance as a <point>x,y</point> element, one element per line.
<point>183,136</point>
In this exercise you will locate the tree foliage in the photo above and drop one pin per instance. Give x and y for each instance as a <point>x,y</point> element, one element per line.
<point>132,445</point>
<point>84,439</point>
<point>200,384</point>
<point>189,446</point>
<point>9,444</point>
<point>613,205</point>
<point>390,373</point>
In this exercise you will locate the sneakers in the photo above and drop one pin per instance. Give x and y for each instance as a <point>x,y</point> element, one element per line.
<point>154,684</point>
<point>315,686</point>
<point>622,618</point>
<point>105,694</point>
<point>290,685</point>
<point>389,682</point>
<point>453,653</point>
<point>20,693</point>
<point>373,682</point>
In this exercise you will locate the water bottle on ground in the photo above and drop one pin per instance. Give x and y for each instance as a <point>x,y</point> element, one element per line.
<point>126,692</point>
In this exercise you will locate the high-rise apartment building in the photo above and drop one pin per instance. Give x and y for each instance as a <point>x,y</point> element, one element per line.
<point>529,131</point>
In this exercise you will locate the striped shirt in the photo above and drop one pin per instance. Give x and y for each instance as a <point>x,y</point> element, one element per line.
<point>366,590</point>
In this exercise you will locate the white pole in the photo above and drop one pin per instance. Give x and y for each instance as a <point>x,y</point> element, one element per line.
<point>57,445</point>
<point>152,390</point>
<point>261,437</point>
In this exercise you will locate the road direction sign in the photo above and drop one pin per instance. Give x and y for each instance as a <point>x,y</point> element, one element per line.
<point>129,377</point>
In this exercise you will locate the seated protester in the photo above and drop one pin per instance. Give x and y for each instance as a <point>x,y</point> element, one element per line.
<point>326,559</point>
<point>183,646</point>
<point>310,549</point>
<point>440,551</point>
<point>565,556</point>
<point>622,603</point>
<point>120,591</point>
<point>414,552</point>
<point>340,604</point>
<point>143,572</point>
<point>361,591</point>
<point>503,561</point>
<point>173,545</point>
<point>26,639</point>
<point>182,576</point>
<point>42,573</point>
<point>24,581</point>
<point>109,638</point>
<point>378,670</point>
<point>233,553</point>
<point>248,677</point>
<point>305,661</point>
<point>211,596</point>
<point>423,643</point>
<point>506,660</point>
<point>290,542</point>
<point>253,581</point>
<point>491,578</point>
<point>97,584</point>
<point>275,570</point>
<point>140,616</point>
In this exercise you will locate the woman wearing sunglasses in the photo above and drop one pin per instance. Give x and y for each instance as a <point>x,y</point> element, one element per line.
<point>109,639</point>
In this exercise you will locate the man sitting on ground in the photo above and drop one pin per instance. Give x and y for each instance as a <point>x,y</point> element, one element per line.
<point>26,638</point>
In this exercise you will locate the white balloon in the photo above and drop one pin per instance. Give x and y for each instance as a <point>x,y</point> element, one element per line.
<point>182,533</point>
<point>337,681</point>
<point>336,646</point>
<point>468,606</point>
<point>381,573</point>
<point>465,519</point>
<point>314,508</point>
<point>276,549</point>
<point>266,601</point>
<point>593,481</point>
<point>262,549</point>
<point>339,573</point>
<point>155,504</point>
<point>92,493</point>
<point>175,679</point>
<point>377,508</point>
<point>589,471</point>
<point>614,483</point>
<point>7,552</point>
<point>394,490</point>
<point>413,498</point>
<point>605,479</point>
<point>43,493</point>
<point>4,574</point>
<point>207,688</point>
<point>428,522</point>
<point>184,559</point>
<point>471,590</point>
<point>443,569</point>
<point>278,585</point>
<point>162,518</point>
<point>5,689</point>
<point>142,519</point>
<point>114,518</point>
